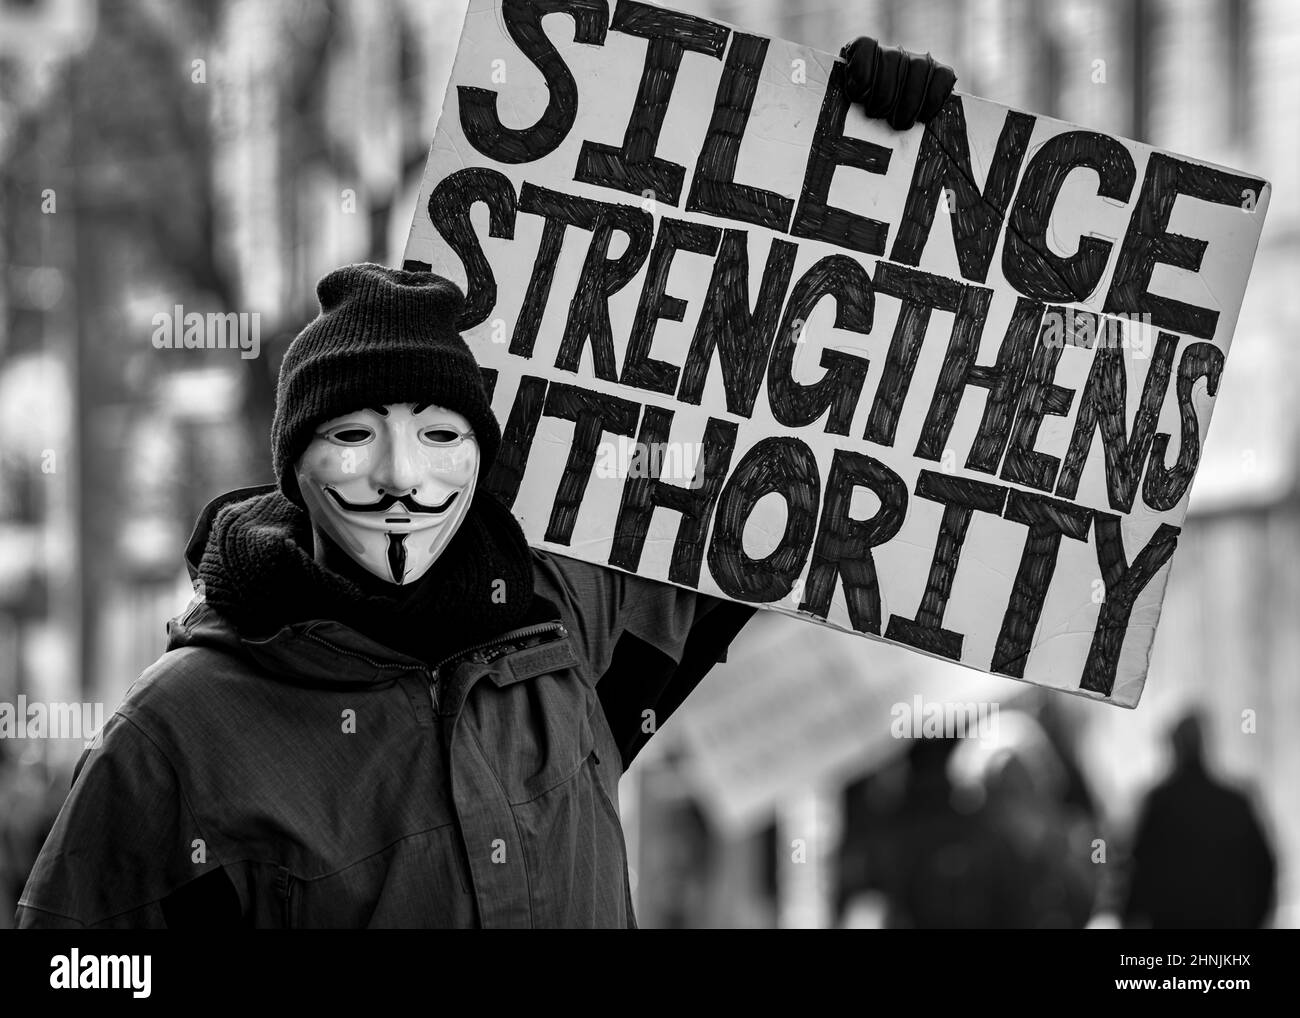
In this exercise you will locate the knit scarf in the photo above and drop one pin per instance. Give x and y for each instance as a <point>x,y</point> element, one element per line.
<point>259,572</point>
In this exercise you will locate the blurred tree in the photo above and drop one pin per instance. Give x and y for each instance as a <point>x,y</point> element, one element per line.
<point>128,134</point>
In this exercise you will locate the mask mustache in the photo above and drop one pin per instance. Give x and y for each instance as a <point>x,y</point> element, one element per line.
<point>386,501</point>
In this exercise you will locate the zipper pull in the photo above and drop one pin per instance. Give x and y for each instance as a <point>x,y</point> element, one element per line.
<point>433,690</point>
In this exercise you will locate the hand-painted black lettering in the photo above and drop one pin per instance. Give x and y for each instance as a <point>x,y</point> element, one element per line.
<point>449,207</point>
<point>961,498</point>
<point>695,501</point>
<point>714,190</point>
<point>1124,583</point>
<point>843,546</point>
<point>795,404</point>
<point>600,279</point>
<point>943,172</point>
<point>593,414</point>
<point>634,167</point>
<point>1040,396</point>
<point>507,471</point>
<point>742,334</point>
<point>478,106</point>
<point>1164,487</point>
<point>1101,406</point>
<point>920,293</point>
<point>783,465</point>
<point>1027,263</point>
<point>816,218</point>
<point>1048,519</point>
<point>959,372</point>
<point>674,235</point>
<point>1149,242</point>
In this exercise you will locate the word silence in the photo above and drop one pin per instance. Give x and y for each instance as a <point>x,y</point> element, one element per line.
<point>946,388</point>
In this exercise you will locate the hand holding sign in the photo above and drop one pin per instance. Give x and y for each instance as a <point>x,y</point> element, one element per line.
<point>901,87</point>
<point>944,387</point>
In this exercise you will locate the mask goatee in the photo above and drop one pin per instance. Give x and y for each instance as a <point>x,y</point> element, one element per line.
<point>397,556</point>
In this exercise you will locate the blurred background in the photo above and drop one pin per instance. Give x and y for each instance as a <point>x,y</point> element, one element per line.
<point>222,155</point>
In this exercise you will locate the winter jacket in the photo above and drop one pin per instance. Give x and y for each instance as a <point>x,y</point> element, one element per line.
<point>317,778</point>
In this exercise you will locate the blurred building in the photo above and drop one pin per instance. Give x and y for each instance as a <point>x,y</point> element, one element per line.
<point>216,156</point>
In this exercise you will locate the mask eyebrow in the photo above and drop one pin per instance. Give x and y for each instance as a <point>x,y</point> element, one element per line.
<point>381,411</point>
<point>419,408</point>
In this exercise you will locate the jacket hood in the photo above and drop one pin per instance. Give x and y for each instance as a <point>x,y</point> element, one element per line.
<point>318,651</point>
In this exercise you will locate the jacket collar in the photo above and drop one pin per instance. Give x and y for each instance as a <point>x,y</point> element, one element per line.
<point>203,525</point>
<point>322,652</point>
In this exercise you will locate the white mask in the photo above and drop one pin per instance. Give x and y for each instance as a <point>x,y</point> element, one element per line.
<point>391,485</point>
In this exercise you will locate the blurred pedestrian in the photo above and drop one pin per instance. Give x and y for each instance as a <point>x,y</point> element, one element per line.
<point>936,863</point>
<point>31,792</point>
<point>1201,859</point>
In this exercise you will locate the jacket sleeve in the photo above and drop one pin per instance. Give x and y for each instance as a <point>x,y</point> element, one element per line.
<point>647,644</point>
<point>124,840</point>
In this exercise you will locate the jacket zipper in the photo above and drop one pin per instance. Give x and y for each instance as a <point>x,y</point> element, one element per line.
<point>376,664</point>
<point>361,657</point>
<point>288,904</point>
<point>505,638</point>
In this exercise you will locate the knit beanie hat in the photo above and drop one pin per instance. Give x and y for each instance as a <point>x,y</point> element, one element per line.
<point>382,336</point>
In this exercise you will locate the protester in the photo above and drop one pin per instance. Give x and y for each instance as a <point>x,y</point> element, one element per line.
<point>383,708</point>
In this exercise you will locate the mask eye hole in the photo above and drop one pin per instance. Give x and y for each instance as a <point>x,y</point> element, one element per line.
<point>351,434</point>
<point>441,436</point>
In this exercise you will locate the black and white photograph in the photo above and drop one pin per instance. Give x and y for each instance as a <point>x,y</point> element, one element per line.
<point>568,465</point>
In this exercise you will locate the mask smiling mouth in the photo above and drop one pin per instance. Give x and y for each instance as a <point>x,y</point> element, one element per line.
<point>387,501</point>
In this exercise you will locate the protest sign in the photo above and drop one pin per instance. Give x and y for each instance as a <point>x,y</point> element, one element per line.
<point>756,736</point>
<point>945,387</point>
